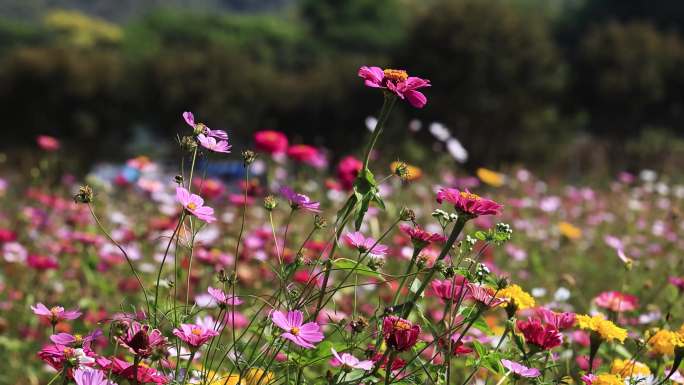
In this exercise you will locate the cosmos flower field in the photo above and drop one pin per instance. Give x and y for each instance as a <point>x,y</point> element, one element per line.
<point>361,271</point>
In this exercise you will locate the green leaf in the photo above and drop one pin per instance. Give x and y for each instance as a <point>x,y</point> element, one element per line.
<point>348,264</point>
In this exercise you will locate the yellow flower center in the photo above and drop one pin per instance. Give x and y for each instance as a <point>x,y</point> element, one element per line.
<point>402,325</point>
<point>54,310</point>
<point>197,331</point>
<point>294,331</point>
<point>468,195</point>
<point>78,337</point>
<point>192,206</point>
<point>396,75</point>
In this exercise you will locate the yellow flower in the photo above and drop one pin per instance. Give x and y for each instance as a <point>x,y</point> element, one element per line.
<point>605,328</point>
<point>254,375</point>
<point>490,177</point>
<point>517,296</point>
<point>406,171</point>
<point>664,342</point>
<point>608,379</point>
<point>569,230</point>
<point>629,368</point>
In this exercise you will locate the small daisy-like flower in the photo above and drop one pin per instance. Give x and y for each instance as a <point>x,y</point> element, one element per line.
<point>420,237</point>
<point>222,298</point>
<point>469,204</point>
<point>664,342</point>
<point>211,144</point>
<point>348,362</point>
<point>400,334</point>
<point>300,201</point>
<point>194,204</point>
<point>397,82</point>
<point>302,334</point>
<point>617,301</point>
<point>606,329</point>
<point>520,369</point>
<point>515,296</point>
<point>55,313</point>
<point>194,335</point>
<point>365,245</point>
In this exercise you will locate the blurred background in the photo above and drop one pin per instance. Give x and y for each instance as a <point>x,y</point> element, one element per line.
<point>569,87</point>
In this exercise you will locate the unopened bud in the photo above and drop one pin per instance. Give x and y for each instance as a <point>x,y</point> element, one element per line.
<point>320,222</point>
<point>270,203</point>
<point>178,179</point>
<point>248,157</point>
<point>407,214</point>
<point>188,143</point>
<point>84,195</point>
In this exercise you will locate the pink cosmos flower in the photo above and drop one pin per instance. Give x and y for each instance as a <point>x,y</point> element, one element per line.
<point>543,336</point>
<point>88,376</point>
<point>203,129</point>
<point>420,237</point>
<point>222,298</point>
<point>300,201</point>
<point>142,340</point>
<point>194,204</point>
<point>194,335</point>
<point>560,321</point>
<point>55,313</point>
<point>48,143</point>
<point>520,370</point>
<point>467,203</point>
<point>449,288</point>
<point>211,144</point>
<point>398,82</point>
<point>58,355</point>
<point>270,142</point>
<point>347,361</point>
<point>484,295</point>
<point>617,301</point>
<point>296,331</point>
<point>76,341</point>
<point>365,245</point>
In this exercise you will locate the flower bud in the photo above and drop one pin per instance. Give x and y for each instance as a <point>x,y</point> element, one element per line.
<point>401,170</point>
<point>84,195</point>
<point>188,143</point>
<point>270,203</point>
<point>248,157</point>
<point>320,222</point>
<point>178,179</point>
<point>407,214</point>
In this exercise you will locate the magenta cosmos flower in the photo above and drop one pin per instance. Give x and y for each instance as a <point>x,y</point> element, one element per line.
<point>420,237</point>
<point>467,203</point>
<point>142,340</point>
<point>194,204</point>
<point>200,128</point>
<point>302,334</point>
<point>222,298</point>
<point>400,334</point>
<point>270,142</point>
<point>76,341</point>
<point>55,313</point>
<point>617,301</point>
<point>396,81</point>
<point>484,295</point>
<point>365,245</point>
<point>561,321</point>
<point>347,361</point>
<point>520,370</point>
<point>300,201</point>
<point>194,335</point>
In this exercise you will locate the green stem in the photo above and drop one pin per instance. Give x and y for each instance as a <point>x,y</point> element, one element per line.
<point>161,267</point>
<point>387,105</point>
<point>416,251</point>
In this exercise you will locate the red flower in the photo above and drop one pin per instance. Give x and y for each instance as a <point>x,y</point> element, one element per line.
<point>467,203</point>
<point>399,334</point>
<point>420,237</point>
<point>47,143</point>
<point>347,171</point>
<point>544,336</point>
<point>449,288</point>
<point>271,142</point>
